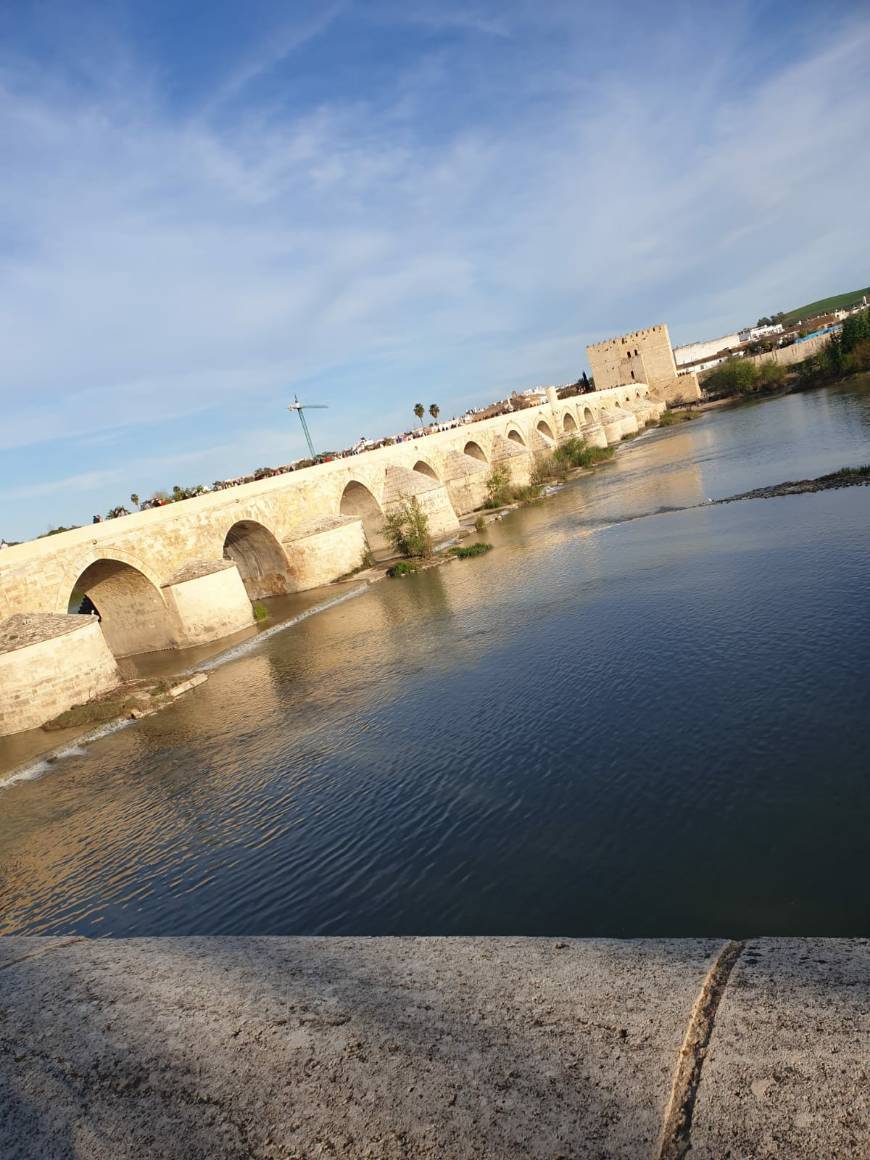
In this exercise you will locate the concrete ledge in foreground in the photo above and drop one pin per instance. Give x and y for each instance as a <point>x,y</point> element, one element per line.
<point>429,1047</point>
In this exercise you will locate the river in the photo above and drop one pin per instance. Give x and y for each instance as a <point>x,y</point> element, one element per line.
<point>635,716</point>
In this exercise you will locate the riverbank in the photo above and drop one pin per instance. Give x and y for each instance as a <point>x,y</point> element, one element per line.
<point>428,1047</point>
<point>795,383</point>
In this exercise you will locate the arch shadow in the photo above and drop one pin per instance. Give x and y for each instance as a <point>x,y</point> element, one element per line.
<point>359,503</point>
<point>260,559</point>
<point>133,614</point>
<point>475,451</point>
<point>426,469</point>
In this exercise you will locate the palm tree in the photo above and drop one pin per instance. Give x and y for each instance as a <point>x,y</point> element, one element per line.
<point>134,498</point>
<point>434,411</point>
<point>419,411</point>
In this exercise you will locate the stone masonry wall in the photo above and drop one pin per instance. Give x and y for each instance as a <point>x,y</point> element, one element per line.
<point>642,356</point>
<point>786,356</point>
<point>40,680</point>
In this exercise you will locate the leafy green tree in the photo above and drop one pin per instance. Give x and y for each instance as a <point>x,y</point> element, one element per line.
<point>499,490</point>
<point>734,376</point>
<point>771,374</point>
<point>407,528</point>
<point>419,411</point>
<point>134,499</point>
<point>434,411</point>
<point>856,329</point>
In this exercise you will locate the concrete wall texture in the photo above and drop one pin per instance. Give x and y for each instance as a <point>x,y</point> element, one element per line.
<point>435,1048</point>
<point>186,573</point>
<point>644,356</point>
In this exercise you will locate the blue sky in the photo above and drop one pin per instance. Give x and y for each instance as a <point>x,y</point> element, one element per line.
<point>206,207</point>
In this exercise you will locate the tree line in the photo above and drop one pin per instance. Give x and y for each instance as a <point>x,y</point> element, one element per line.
<point>846,352</point>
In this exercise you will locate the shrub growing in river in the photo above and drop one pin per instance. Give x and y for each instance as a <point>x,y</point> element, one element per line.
<point>546,469</point>
<point>407,529</point>
<point>402,568</point>
<point>567,457</point>
<point>466,551</point>
<point>498,488</point>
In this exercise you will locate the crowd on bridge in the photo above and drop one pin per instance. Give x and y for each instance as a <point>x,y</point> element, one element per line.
<point>517,401</point>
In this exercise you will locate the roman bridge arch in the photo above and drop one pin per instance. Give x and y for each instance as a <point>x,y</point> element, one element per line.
<point>260,558</point>
<point>474,450</point>
<point>358,501</point>
<point>127,598</point>
<point>425,468</point>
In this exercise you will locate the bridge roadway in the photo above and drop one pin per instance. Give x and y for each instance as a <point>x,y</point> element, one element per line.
<point>447,1048</point>
<point>187,573</point>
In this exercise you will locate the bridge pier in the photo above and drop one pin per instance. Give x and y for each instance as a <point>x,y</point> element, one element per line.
<point>465,480</point>
<point>594,435</point>
<point>49,662</point>
<point>207,600</point>
<point>325,548</point>
<point>515,458</point>
<point>617,424</point>
<point>402,484</point>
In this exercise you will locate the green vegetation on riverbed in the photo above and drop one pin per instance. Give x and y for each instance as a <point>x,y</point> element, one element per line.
<point>466,551</point>
<point>551,467</point>
<point>499,489</point>
<point>93,713</point>
<point>847,475</point>
<point>402,568</point>
<point>407,529</point>
<point>674,418</point>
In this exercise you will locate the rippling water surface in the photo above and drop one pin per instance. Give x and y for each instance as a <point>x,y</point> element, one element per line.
<point>609,725</point>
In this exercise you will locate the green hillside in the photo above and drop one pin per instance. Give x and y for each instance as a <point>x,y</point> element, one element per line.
<point>824,305</point>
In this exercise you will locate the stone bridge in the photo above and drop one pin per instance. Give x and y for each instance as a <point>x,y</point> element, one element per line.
<point>187,573</point>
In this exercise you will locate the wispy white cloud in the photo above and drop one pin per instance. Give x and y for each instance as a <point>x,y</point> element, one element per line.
<point>273,49</point>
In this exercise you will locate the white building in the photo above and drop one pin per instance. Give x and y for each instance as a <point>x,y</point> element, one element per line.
<point>694,352</point>
<point>754,332</point>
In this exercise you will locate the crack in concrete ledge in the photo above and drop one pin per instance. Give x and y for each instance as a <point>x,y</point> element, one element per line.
<point>55,946</point>
<point>676,1136</point>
